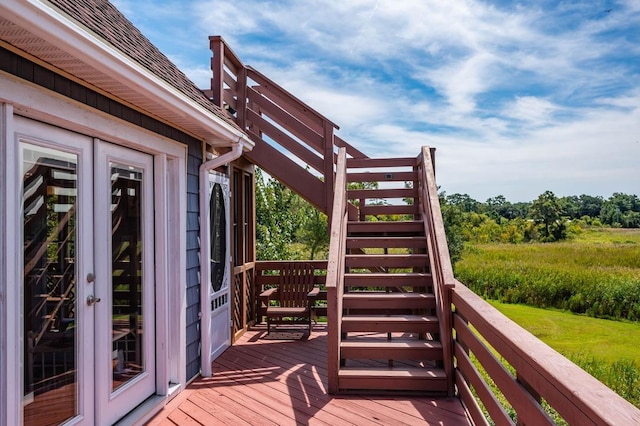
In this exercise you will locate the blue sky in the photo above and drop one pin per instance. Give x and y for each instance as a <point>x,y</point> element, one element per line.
<point>517,97</point>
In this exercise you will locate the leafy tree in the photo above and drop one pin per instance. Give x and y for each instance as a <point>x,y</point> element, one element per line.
<point>464,202</point>
<point>590,206</point>
<point>275,229</point>
<point>284,218</point>
<point>314,232</point>
<point>453,218</point>
<point>546,211</point>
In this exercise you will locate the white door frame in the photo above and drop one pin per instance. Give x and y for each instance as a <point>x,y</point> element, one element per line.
<point>215,308</point>
<point>170,160</point>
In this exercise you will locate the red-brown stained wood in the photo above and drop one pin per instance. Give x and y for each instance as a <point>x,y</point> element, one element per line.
<point>388,242</point>
<point>405,227</point>
<point>261,381</point>
<point>390,209</point>
<point>280,114</point>
<point>262,127</point>
<point>381,177</point>
<point>395,349</point>
<point>369,163</point>
<point>578,397</point>
<point>351,151</point>
<point>471,377</point>
<point>418,379</point>
<point>359,194</point>
<point>388,260</point>
<point>272,90</point>
<point>308,186</point>
<point>389,324</point>
<point>526,406</point>
<point>410,279</point>
<point>371,300</point>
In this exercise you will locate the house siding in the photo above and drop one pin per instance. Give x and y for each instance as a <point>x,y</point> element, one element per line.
<point>194,160</point>
<point>21,67</point>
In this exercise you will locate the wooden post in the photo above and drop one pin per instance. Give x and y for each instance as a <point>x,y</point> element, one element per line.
<point>329,175</point>
<point>216,44</point>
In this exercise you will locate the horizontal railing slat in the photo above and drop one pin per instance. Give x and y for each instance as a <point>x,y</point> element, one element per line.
<point>524,404</point>
<point>282,116</point>
<point>472,376</point>
<point>278,92</point>
<point>577,396</point>
<point>263,126</point>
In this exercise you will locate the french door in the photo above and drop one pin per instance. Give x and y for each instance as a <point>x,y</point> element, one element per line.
<point>88,267</point>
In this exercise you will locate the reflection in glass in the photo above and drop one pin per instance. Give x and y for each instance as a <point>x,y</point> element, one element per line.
<point>218,223</point>
<point>126,275</point>
<point>49,287</point>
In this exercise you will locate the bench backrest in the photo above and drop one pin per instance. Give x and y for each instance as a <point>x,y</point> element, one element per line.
<point>296,281</point>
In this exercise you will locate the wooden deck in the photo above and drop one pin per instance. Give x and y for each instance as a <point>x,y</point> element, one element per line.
<point>284,382</point>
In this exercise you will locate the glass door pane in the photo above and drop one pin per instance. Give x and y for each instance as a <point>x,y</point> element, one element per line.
<point>49,228</point>
<point>127,249</point>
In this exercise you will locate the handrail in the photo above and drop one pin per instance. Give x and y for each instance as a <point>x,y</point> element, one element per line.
<point>541,373</point>
<point>440,263</point>
<point>335,270</point>
<point>277,121</point>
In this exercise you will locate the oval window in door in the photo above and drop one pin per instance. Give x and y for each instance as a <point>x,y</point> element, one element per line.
<point>218,239</point>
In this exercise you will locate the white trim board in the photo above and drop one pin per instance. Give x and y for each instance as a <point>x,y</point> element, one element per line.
<point>170,185</point>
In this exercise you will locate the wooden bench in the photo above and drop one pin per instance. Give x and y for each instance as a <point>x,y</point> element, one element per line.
<point>295,297</point>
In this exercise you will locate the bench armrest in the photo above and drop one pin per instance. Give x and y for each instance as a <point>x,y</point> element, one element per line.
<point>268,293</point>
<point>313,293</point>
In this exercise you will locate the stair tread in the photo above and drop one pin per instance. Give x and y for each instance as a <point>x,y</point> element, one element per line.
<point>401,372</point>
<point>387,296</point>
<point>388,237</point>
<point>388,255</point>
<point>397,275</point>
<point>392,344</point>
<point>392,318</point>
<point>384,222</point>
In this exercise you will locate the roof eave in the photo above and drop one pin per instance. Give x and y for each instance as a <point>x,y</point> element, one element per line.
<point>48,23</point>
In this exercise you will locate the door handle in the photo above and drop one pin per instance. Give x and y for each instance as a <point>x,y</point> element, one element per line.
<point>92,300</point>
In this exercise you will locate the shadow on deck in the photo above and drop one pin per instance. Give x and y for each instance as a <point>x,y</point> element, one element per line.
<point>261,382</point>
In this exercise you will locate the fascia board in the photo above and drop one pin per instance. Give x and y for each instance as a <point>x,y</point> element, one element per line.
<point>49,24</point>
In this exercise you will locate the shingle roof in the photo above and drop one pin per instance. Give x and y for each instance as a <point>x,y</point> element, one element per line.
<point>106,21</point>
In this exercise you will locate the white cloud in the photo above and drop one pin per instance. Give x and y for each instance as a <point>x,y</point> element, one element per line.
<point>518,98</point>
<point>531,109</point>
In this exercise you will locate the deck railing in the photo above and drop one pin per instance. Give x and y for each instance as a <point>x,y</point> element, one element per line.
<point>335,270</point>
<point>440,262</point>
<point>486,340</point>
<point>294,142</point>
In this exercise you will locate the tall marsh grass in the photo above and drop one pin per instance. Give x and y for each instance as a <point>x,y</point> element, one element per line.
<point>597,277</point>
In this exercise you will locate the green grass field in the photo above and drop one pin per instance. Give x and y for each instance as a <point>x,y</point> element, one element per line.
<point>578,334</point>
<point>608,350</point>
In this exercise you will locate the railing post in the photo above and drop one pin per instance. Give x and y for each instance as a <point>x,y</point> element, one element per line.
<point>335,273</point>
<point>329,178</point>
<point>439,260</point>
<point>241,90</point>
<point>216,44</point>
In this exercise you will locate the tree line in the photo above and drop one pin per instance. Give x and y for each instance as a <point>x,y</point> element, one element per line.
<point>288,227</point>
<point>546,219</point>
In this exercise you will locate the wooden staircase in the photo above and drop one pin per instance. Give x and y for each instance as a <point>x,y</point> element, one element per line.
<point>389,328</point>
<point>388,269</point>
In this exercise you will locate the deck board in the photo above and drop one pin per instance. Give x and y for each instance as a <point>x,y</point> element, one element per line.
<point>269,382</point>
